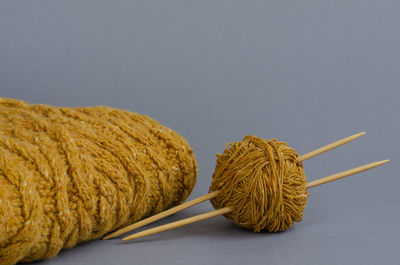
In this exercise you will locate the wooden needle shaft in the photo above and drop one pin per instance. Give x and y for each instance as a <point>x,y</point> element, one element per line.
<point>329,147</point>
<point>161,215</point>
<point>211,214</point>
<point>345,173</point>
<point>179,223</point>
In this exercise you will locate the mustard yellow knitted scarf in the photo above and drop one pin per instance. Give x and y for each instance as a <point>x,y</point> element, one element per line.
<point>69,175</point>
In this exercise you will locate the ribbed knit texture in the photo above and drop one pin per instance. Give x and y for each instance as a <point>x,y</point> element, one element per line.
<point>69,175</point>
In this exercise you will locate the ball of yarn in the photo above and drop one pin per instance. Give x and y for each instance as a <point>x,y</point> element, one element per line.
<point>69,175</point>
<point>262,182</point>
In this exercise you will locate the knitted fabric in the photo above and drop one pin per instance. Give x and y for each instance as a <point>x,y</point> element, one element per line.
<point>262,182</point>
<point>69,175</point>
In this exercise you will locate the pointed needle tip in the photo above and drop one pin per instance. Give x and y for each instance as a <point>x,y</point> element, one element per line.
<point>110,236</point>
<point>357,135</point>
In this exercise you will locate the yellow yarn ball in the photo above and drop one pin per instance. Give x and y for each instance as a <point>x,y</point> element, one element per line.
<point>262,182</point>
<point>69,175</point>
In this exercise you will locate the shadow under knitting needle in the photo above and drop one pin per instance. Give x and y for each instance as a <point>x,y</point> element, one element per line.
<point>217,228</point>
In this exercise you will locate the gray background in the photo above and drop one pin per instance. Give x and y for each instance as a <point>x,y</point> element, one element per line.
<point>306,72</point>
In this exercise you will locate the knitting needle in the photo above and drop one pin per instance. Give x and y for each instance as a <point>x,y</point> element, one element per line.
<point>161,215</point>
<point>179,223</point>
<point>330,146</point>
<point>209,196</point>
<point>345,173</point>
<point>226,210</point>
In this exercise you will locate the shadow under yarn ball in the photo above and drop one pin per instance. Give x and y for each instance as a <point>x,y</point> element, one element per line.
<point>262,182</point>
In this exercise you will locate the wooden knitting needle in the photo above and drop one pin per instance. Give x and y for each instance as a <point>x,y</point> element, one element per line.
<point>226,210</point>
<point>209,196</point>
<point>345,173</point>
<point>161,215</point>
<point>330,146</point>
<point>179,223</point>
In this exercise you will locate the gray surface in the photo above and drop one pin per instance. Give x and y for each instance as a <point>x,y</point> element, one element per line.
<point>306,72</point>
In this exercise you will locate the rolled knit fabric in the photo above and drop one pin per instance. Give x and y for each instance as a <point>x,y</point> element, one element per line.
<point>69,175</point>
